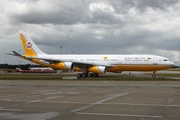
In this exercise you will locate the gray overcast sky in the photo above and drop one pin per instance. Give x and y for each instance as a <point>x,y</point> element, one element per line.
<point>92,26</point>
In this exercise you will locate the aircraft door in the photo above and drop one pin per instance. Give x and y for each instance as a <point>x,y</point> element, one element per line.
<point>155,61</point>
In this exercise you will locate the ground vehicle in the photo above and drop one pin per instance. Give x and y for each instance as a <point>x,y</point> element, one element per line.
<point>36,70</point>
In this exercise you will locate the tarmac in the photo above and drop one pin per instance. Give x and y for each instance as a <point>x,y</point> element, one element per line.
<point>89,100</point>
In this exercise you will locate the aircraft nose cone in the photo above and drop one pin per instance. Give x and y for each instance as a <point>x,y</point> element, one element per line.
<point>171,63</point>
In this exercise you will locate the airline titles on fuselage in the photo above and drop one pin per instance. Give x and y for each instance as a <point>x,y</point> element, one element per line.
<point>136,59</point>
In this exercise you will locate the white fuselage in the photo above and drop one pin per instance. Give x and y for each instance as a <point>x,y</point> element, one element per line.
<point>117,62</point>
<point>108,60</point>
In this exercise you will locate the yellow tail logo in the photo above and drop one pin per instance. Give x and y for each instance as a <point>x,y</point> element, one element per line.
<point>28,46</point>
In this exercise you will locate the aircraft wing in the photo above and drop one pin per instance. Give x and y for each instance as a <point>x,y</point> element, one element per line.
<point>77,63</point>
<point>55,60</point>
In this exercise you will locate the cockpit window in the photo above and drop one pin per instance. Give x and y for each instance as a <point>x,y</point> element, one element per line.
<point>165,59</point>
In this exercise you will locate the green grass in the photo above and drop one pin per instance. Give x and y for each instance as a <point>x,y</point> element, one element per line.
<point>169,75</point>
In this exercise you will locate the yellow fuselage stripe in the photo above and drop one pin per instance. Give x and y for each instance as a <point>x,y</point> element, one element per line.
<point>137,68</point>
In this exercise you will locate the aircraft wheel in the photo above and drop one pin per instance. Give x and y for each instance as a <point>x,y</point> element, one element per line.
<point>91,75</point>
<point>96,75</point>
<point>153,75</point>
<point>79,75</point>
<point>84,75</point>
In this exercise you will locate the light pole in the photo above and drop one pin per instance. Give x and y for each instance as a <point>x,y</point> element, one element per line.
<point>60,49</point>
<point>19,59</point>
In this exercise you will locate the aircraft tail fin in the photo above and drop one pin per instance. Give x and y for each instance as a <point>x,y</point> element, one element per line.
<point>30,48</point>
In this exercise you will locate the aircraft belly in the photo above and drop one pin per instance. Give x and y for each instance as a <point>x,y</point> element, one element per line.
<point>137,68</point>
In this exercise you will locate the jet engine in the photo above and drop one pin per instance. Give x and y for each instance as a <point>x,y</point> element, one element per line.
<point>97,69</point>
<point>64,65</point>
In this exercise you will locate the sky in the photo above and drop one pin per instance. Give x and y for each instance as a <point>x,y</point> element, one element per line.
<point>91,27</point>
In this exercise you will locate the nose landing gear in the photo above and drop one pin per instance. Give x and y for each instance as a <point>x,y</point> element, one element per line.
<point>154,75</point>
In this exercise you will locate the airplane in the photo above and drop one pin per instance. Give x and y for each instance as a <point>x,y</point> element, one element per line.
<point>91,65</point>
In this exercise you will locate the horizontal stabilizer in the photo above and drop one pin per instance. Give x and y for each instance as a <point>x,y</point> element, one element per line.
<point>15,54</point>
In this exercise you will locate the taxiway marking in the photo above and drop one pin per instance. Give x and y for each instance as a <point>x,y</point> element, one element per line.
<point>101,101</point>
<point>120,115</point>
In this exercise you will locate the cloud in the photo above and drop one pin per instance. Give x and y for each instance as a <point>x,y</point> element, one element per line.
<point>93,26</point>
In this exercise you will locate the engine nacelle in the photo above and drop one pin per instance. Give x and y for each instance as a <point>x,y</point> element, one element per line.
<point>64,65</point>
<point>44,62</point>
<point>97,69</point>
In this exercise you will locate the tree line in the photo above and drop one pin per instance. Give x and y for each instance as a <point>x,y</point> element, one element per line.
<point>22,66</point>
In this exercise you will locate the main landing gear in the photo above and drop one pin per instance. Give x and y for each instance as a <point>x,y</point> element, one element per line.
<point>87,75</point>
